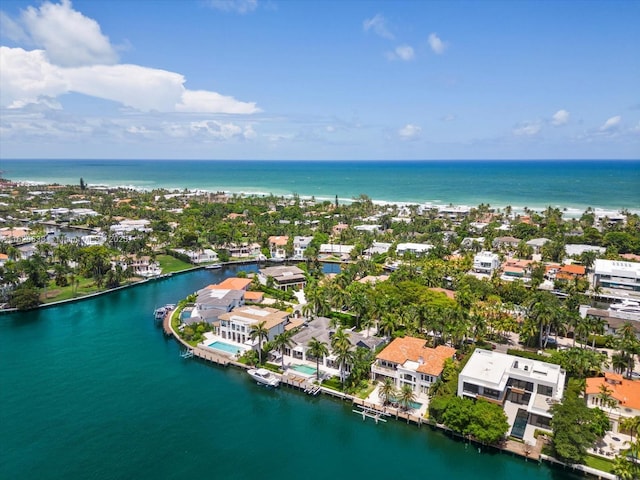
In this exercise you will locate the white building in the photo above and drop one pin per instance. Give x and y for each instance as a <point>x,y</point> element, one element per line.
<point>486,262</point>
<point>616,274</point>
<point>414,248</point>
<point>278,246</point>
<point>236,325</point>
<point>284,277</point>
<point>300,244</point>
<point>575,250</point>
<point>525,388</point>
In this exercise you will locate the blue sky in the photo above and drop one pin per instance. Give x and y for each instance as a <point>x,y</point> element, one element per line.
<point>254,79</point>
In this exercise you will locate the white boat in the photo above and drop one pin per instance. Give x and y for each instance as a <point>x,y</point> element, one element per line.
<point>264,376</point>
<point>213,266</point>
<point>626,306</point>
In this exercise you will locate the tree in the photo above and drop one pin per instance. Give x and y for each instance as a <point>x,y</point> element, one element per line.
<point>387,391</point>
<point>317,349</point>
<point>406,396</point>
<point>575,426</point>
<point>631,425</point>
<point>259,332</point>
<point>342,349</point>
<point>283,341</point>
<point>623,468</point>
<point>457,414</point>
<point>24,298</point>
<point>488,422</point>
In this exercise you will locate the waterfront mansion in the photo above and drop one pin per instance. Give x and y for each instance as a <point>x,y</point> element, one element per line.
<point>408,361</point>
<point>525,388</point>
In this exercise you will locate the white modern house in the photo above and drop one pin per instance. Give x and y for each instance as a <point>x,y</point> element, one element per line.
<point>300,244</point>
<point>486,262</point>
<point>525,388</point>
<point>236,325</point>
<point>616,274</point>
<point>408,361</point>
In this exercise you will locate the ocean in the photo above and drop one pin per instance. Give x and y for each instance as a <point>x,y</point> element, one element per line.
<point>572,185</point>
<point>93,390</point>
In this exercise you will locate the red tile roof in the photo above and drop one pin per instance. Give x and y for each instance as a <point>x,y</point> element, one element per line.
<point>430,360</point>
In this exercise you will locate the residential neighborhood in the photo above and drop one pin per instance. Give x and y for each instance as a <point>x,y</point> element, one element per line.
<point>419,314</point>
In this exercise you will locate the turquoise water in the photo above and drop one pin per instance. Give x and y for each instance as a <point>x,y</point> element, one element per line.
<point>306,369</point>
<point>574,185</point>
<point>93,390</point>
<point>224,347</point>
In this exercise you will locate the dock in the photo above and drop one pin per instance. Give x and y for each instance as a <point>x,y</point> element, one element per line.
<point>300,383</point>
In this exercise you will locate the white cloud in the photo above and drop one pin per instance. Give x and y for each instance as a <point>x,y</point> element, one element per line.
<point>528,129</point>
<point>402,52</point>
<point>202,101</point>
<point>76,57</point>
<point>437,45</point>
<point>410,132</point>
<point>561,117</point>
<point>448,117</point>
<point>379,26</point>
<point>611,124</point>
<point>69,38</point>
<point>235,6</point>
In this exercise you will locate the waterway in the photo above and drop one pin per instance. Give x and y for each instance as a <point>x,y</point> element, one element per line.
<point>92,390</point>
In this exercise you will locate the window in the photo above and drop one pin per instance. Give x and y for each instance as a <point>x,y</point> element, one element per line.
<point>469,387</point>
<point>545,390</point>
<point>491,393</point>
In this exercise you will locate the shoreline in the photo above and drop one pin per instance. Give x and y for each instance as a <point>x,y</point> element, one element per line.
<point>570,185</point>
<point>569,211</point>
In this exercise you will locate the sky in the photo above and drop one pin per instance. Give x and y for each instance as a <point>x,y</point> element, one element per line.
<point>322,80</point>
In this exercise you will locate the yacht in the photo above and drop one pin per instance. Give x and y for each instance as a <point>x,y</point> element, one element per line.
<point>626,306</point>
<point>264,376</point>
<point>213,266</point>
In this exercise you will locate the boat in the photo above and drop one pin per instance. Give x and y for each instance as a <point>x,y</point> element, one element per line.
<point>159,313</point>
<point>626,306</point>
<point>213,266</point>
<point>264,376</point>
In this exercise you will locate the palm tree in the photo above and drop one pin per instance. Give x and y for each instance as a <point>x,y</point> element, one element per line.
<point>387,390</point>
<point>631,425</point>
<point>283,341</point>
<point>259,332</point>
<point>341,347</point>
<point>622,468</point>
<point>317,349</point>
<point>406,396</point>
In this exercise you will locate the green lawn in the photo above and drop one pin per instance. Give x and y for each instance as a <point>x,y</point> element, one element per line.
<point>170,264</point>
<point>56,294</point>
<point>598,462</point>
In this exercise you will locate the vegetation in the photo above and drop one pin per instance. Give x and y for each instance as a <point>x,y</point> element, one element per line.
<point>576,426</point>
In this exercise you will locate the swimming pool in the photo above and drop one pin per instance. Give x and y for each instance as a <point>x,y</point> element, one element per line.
<point>225,347</point>
<point>305,369</point>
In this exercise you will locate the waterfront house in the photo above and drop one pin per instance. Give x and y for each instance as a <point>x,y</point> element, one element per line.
<point>205,255</point>
<point>277,246</point>
<point>300,244</point>
<point>408,361</point>
<point>616,274</point>
<point>236,325</point>
<point>623,394</point>
<point>284,277</point>
<point>142,266</point>
<point>336,250</point>
<point>214,300</point>
<point>525,388</point>
<point>320,328</point>
<point>486,262</point>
